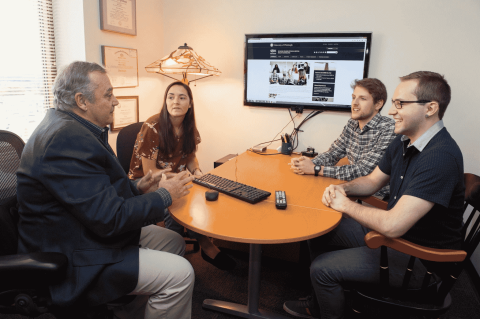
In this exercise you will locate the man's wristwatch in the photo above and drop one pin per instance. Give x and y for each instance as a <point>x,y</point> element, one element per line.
<point>317,169</point>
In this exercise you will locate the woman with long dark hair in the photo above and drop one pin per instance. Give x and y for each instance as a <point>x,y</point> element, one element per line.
<point>276,68</point>
<point>302,78</point>
<point>168,141</point>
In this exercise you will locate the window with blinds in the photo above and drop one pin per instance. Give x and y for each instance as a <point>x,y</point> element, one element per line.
<point>27,64</point>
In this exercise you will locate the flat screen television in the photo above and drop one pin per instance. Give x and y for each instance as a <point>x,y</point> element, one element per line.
<point>305,70</point>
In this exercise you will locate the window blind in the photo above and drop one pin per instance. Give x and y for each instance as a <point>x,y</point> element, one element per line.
<point>27,64</point>
<point>47,43</point>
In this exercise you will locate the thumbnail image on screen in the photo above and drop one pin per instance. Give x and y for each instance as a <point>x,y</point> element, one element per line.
<point>288,73</point>
<point>310,70</point>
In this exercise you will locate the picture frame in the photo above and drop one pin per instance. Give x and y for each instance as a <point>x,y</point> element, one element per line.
<point>121,65</point>
<point>126,112</point>
<point>118,16</point>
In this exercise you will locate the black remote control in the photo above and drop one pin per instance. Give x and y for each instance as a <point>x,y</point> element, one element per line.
<point>280,200</point>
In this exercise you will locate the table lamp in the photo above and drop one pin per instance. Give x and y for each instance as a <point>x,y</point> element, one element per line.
<point>183,61</point>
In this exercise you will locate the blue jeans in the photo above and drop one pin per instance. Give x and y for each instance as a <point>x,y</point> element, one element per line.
<point>341,260</point>
<point>171,224</point>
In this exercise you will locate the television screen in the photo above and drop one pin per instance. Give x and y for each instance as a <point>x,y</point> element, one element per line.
<point>309,70</point>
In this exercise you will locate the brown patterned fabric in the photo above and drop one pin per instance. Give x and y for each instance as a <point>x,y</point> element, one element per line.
<point>146,146</point>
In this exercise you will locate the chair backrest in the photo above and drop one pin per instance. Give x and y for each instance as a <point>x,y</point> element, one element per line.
<point>471,228</point>
<point>125,141</point>
<point>11,147</point>
<point>449,271</point>
<point>470,231</point>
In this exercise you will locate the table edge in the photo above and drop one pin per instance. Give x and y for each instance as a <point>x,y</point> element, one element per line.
<point>256,240</point>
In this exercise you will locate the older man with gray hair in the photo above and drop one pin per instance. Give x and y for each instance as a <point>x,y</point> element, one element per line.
<point>76,199</point>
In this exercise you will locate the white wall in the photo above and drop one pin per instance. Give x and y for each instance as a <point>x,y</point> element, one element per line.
<point>408,35</point>
<point>149,45</point>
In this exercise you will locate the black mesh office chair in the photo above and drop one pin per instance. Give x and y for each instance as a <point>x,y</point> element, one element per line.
<point>24,278</point>
<point>432,299</point>
<point>125,142</point>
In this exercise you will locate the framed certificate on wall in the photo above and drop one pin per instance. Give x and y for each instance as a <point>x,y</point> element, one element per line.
<point>126,112</point>
<point>121,65</point>
<point>118,16</point>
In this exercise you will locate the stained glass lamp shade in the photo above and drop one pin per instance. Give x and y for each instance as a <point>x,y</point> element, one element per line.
<point>183,61</point>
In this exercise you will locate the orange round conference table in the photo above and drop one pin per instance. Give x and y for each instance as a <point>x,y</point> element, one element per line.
<point>232,219</point>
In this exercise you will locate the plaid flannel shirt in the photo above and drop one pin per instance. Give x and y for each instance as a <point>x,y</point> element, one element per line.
<point>363,148</point>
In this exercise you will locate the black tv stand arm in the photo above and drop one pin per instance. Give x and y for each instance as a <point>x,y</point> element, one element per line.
<point>298,109</point>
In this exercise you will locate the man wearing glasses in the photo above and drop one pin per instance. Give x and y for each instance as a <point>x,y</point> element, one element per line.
<point>424,166</point>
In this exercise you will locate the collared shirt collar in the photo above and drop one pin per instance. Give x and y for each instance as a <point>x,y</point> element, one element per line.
<point>374,121</point>
<point>99,132</point>
<point>371,124</point>
<point>423,140</point>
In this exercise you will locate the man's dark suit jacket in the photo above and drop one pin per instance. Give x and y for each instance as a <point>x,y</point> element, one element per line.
<point>75,198</point>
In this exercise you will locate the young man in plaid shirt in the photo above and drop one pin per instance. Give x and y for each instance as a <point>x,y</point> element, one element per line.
<point>363,141</point>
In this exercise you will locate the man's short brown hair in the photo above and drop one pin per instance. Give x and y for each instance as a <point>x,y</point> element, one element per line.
<point>375,87</point>
<point>431,86</point>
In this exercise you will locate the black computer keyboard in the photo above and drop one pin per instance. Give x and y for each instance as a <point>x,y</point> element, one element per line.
<point>241,191</point>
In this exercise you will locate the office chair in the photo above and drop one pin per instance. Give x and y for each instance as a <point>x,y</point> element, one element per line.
<point>125,142</point>
<point>431,300</point>
<point>24,278</point>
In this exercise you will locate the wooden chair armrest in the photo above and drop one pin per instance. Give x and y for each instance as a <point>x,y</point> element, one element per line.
<point>374,240</point>
<point>343,161</point>
<point>375,202</point>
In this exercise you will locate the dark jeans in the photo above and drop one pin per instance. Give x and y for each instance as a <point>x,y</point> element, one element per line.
<point>171,224</point>
<point>342,260</point>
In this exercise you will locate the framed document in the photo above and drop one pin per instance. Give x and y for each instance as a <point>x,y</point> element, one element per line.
<point>118,16</point>
<point>121,65</point>
<point>126,112</point>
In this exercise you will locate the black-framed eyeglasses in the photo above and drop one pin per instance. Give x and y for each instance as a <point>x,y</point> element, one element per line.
<point>399,104</point>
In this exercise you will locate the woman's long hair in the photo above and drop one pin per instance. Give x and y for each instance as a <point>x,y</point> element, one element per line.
<point>166,133</point>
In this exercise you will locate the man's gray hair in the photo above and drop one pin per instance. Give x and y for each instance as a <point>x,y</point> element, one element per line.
<point>72,80</point>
